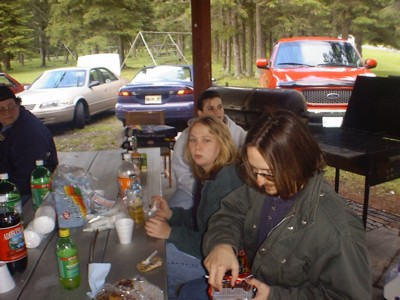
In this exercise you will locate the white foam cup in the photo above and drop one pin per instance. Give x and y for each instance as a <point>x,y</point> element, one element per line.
<point>124,229</point>
<point>45,219</point>
<point>6,281</point>
<point>32,238</point>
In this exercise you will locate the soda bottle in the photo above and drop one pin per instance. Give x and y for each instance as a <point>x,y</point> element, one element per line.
<point>10,190</point>
<point>67,260</point>
<point>135,154</point>
<point>12,242</point>
<point>40,183</point>
<point>134,197</point>
<point>125,170</point>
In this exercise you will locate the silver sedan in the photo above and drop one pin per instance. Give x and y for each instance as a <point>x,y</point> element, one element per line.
<point>72,95</point>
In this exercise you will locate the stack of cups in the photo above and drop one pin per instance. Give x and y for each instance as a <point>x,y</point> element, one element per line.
<point>32,237</point>
<point>6,281</point>
<point>43,223</point>
<point>45,219</point>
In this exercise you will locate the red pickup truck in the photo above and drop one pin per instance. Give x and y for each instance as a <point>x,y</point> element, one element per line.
<point>323,69</point>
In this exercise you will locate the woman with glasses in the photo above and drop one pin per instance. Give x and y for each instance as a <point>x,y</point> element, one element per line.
<point>23,140</point>
<point>301,239</point>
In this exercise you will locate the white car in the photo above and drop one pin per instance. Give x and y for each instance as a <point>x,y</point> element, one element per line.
<point>72,94</point>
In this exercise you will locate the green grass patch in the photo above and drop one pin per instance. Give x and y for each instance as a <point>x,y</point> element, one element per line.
<point>388,61</point>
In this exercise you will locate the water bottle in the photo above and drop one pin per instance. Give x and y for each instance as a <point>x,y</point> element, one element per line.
<point>40,183</point>
<point>12,242</point>
<point>67,260</point>
<point>134,153</point>
<point>10,190</point>
<point>125,170</point>
<point>134,197</point>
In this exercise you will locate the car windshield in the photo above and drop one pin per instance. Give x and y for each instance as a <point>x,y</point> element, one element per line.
<point>163,73</point>
<point>60,79</point>
<point>317,53</point>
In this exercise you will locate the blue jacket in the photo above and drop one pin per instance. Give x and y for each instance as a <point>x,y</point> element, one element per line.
<point>182,234</point>
<point>26,141</point>
<point>318,250</point>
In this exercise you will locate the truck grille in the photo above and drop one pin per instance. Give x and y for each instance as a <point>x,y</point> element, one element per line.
<point>327,96</point>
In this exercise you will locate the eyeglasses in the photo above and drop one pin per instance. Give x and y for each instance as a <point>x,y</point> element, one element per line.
<point>264,174</point>
<point>8,108</point>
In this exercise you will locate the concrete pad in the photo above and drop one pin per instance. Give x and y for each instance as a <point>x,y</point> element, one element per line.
<point>384,249</point>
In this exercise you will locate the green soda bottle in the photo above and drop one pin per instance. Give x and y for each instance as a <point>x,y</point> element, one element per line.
<point>10,190</point>
<point>40,183</point>
<point>68,262</point>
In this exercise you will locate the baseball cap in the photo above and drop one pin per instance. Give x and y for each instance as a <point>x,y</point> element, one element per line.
<point>6,93</point>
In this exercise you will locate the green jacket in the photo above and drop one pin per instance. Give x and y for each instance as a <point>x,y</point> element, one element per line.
<point>182,234</point>
<point>317,251</point>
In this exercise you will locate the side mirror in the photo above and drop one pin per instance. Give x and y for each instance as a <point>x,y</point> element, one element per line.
<point>370,63</point>
<point>262,63</point>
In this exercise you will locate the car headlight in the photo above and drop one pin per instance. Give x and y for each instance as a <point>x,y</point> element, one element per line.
<point>55,103</point>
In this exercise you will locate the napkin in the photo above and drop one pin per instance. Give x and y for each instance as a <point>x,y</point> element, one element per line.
<point>97,276</point>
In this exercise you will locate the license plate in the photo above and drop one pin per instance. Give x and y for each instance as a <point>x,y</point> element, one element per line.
<point>152,99</point>
<point>332,121</point>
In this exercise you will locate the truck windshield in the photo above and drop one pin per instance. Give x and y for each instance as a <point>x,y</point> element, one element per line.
<point>317,53</point>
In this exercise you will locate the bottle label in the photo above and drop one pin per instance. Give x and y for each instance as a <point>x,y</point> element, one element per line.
<point>39,192</point>
<point>12,243</point>
<point>124,183</point>
<point>68,266</point>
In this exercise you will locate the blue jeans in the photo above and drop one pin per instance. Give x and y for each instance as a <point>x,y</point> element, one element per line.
<point>181,267</point>
<point>180,198</point>
<point>196,289</point>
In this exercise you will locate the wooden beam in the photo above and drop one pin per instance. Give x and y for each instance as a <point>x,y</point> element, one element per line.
<point>201,44</point>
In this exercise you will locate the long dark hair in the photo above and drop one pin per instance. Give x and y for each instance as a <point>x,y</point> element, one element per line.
<point>288,147</point>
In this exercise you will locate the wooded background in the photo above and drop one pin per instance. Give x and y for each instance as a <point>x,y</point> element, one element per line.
<point>242,30</point>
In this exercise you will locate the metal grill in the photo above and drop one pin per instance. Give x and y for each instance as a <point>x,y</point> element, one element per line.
<point>327,96</point>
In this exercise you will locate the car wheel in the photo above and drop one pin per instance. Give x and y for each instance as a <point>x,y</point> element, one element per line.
<point>79,117</point>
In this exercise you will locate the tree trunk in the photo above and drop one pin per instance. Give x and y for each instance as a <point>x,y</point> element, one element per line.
<point>242,43</point>
<point>358,38</point>
<point>250,41</point>
<point>236,47</point>
<point>42,46</point>
<point>121,50</point>
<point>7,61</point>
<point>260,37</point>
<point>21,59</point>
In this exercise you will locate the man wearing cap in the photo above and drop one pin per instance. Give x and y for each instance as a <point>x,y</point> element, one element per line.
<point>23,140</point>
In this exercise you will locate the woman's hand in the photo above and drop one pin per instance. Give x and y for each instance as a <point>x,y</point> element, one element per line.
<point>158,228</point>
<point>163,210</point>
<point>221,259</point>
<point>262,289</point>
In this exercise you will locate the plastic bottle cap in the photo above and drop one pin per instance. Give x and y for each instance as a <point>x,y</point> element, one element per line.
<point>64,232</point>
<point>4,176</point>
<point>3,198</point>
<point>39,162</point>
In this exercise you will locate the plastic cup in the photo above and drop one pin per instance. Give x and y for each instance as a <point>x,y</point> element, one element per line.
<point>45,219</point>
<point>32,237</point>
<point>6,281</point>
<point>124,229</point>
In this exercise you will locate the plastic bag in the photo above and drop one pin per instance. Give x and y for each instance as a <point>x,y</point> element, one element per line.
<point>135,288</point>
<point>71,191</point>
